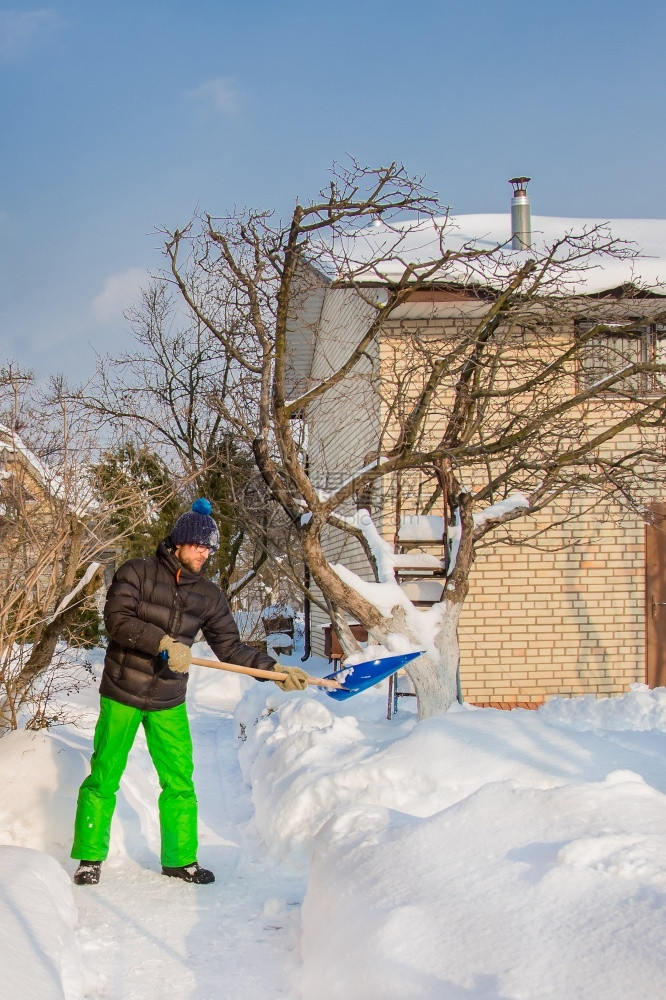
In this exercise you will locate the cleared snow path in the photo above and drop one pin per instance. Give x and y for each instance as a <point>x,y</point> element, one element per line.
<point>143,935</point>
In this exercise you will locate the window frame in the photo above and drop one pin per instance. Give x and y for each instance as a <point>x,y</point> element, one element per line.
<point>650,336</point>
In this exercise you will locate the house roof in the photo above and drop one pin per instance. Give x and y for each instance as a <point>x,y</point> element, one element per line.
<point>76,492</point>
<point>642,263</point>
<point>16,450</point>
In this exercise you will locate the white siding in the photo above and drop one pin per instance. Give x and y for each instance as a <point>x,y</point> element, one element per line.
<point>302,327</point>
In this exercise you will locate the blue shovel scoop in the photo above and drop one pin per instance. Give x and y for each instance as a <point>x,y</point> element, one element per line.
<point>359,676</point>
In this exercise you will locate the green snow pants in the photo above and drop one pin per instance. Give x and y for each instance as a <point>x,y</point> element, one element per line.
<point>170,747</point>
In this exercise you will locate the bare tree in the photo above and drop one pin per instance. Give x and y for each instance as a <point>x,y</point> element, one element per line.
<point>509,415</point>
<point>157,402</point>
<point>55,537</point>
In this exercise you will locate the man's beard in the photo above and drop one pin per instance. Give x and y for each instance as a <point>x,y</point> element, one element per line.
<point>189,563</point>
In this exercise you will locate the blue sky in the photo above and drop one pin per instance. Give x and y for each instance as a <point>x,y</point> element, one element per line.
<point>121,117</point>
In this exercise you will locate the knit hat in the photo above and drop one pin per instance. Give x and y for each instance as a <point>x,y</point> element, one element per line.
<point>196,527</point>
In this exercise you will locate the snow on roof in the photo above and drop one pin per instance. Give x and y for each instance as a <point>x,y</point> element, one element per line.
<point>78,495</point>
<point>11,442</point>
<point>415,242</point>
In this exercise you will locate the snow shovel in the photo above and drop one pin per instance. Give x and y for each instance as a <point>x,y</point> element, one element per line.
<point>359,676</point>
<point>343,684</point>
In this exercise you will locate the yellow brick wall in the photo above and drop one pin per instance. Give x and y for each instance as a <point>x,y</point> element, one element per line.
<point>569,622</point>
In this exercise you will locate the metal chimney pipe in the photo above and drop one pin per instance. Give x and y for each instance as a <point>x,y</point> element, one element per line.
<point>521,220</point>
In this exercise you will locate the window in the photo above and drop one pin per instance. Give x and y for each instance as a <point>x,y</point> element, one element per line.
<point>617,345</point>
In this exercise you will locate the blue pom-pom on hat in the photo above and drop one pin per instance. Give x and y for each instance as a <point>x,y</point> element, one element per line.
<point>202,506</point>
<point>197,527</point>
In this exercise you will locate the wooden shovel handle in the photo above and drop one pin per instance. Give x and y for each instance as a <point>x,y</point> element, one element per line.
<point>269,675</point>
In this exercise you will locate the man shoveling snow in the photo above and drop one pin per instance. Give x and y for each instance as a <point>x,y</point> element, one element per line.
<point>154,609</point>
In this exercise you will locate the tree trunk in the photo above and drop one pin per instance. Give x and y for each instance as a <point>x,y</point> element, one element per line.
<point>435,673</point>
<point>436,679</point>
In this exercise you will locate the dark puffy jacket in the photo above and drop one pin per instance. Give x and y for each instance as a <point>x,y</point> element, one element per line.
<point>151,598</point>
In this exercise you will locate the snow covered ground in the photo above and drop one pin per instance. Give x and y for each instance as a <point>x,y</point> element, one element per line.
<point>480,855</point>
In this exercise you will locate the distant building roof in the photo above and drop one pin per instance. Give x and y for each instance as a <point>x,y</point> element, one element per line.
<point>13,446</point>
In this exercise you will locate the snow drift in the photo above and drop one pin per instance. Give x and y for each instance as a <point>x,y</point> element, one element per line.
<point>482,854</point>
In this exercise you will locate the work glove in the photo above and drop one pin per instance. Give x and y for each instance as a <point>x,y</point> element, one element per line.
<point>180,655</point>
<point>296,679</point>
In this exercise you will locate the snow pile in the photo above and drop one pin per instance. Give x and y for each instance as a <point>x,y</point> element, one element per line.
<point>641,709</point>
<point>514,892</point>
<point>37,769</point>
<point>38,917</point>
<point>484,853</point>
<point>37,921</point>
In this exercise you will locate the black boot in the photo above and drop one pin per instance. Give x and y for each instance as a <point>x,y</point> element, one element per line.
<point>88,873</point>
<point>190,873</point>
